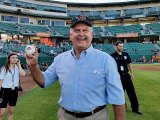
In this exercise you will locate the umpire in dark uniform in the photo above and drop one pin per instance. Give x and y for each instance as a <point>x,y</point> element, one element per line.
<point>124,66</point>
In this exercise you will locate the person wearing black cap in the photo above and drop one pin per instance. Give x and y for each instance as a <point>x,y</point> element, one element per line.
<point>88,77</point>
<point>124,65</point>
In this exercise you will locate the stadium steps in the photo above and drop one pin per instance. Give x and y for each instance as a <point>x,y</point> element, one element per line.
<point>155,27</point>
<point>146,31</point>
<point>157,47</point>
<point>106,32</point>
<point>97,32</point>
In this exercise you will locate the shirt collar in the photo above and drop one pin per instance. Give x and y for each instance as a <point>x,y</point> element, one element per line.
<point>119,54</point>
<point>87,51</point>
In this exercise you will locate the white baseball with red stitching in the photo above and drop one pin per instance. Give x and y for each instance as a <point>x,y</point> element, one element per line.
<point>30,49</point>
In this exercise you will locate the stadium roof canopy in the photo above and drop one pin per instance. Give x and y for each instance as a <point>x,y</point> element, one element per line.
<point>100,2</point>
<point>95,1</point>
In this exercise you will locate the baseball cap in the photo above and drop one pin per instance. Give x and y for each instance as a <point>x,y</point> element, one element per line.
<point>81,19</point>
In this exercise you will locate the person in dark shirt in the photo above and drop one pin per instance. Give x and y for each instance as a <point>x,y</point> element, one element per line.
<point>124,65</point>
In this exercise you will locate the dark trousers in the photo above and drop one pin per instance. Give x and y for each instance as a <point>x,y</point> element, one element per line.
<point>129,88</point>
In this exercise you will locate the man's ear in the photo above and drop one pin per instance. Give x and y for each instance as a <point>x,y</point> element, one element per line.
<point>92,33</point>
<point>70,34</point>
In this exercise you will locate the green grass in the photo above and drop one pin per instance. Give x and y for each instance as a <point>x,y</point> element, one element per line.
<point>41,104</point>
<point>147,84</point>
<point>38,104</point>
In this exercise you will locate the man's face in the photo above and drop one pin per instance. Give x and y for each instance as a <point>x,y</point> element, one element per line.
<point>81,36</point>
<point>119,48</point>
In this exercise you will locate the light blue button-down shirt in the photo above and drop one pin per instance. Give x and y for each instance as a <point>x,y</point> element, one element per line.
<point>87,82</point>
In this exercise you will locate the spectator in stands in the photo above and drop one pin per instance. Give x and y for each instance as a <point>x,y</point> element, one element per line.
<point>124,65</point>
<point>61,44</point>
<point>39,50</point>
<point>144,59</point>
<point>88,77</point>
<point>9,82</point>
<point>152,60</point>
<point>52,52</point>
<point>1,47</point>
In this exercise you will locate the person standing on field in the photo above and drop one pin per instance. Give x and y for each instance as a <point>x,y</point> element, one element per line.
<point>88,77</point>
<point>124,65</point>
<point>9,82</point>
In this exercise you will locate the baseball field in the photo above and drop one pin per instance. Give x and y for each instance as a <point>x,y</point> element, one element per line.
<point>37,104</point>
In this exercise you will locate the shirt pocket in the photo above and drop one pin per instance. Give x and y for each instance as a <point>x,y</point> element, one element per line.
<point>95,79</point>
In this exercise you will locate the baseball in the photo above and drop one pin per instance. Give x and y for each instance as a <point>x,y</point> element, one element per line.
<point>30,49</point>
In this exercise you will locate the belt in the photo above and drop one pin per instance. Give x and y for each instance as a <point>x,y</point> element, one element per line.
<point>84,114</point>
<point>15,88</point>
<point>123,74</point>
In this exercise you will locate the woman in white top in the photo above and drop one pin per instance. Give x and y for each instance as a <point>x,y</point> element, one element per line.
<point>9,82</point>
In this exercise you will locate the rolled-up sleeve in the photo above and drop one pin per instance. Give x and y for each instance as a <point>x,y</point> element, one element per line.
<point>114,90</point>
<point>50,75</point>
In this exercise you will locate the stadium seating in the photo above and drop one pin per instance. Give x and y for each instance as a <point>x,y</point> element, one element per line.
<point>67,47</point>
<point>134,49</point>
<point>133,28</point>
<point>109,20</point>
<point>97,32</point>
<point>61,31</point>
<point>33,29</point>
<point>155,27</point>
<point>116,29</point>
<point>143,49</point>
<point>9,27</point>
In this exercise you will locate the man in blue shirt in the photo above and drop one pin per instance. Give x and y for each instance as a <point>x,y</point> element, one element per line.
<point>88,77</point>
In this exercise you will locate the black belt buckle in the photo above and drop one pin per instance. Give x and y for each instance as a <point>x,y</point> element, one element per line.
<point>82,115</point>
